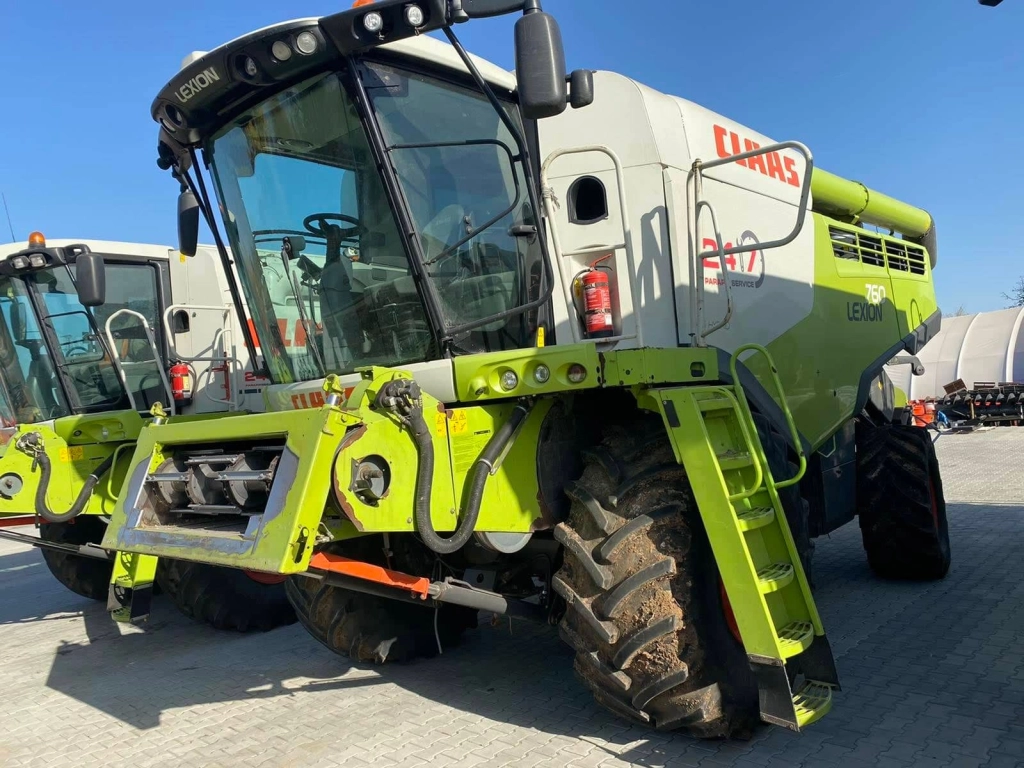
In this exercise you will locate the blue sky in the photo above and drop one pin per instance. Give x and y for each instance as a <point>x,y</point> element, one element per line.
<point>921,99</point>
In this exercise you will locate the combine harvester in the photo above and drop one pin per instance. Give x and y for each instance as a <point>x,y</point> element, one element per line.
<point>92,335</point>
<point>612,367</point>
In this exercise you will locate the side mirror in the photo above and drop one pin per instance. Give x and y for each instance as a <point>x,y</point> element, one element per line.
<point>581,88</point>
<point>188,223</point>
<point>540,66</point>
<point>90,278</point>
<point>17,321</point>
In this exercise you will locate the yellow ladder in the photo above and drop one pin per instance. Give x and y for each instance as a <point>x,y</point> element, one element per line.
<point>715,438</point>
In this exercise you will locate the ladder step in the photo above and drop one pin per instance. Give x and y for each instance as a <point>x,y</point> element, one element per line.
<point>812,702</point>
<point>735,460</point>
<point>775,576</point>
<point>757,517</point>
<point>795,638</point>
<point>716,404</point>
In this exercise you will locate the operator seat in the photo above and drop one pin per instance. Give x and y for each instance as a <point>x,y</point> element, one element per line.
<point>337,300</point>
<point>468,294</point>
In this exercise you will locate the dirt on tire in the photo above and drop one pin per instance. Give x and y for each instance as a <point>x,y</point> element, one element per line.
<point>644,612</point>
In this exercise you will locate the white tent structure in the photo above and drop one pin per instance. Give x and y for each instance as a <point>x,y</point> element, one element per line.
<point>988,346</point>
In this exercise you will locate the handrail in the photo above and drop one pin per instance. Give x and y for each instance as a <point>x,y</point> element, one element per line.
<point>113,468</point>
<point>745,493</point>
<point>726,280</point>
<point>116,357</point>
<point>225,332</point>
<point>696,175</point>
<point>733,363</point>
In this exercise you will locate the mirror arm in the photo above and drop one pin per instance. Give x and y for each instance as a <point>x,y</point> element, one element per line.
<point>490,8</point>
<point>199,190</point>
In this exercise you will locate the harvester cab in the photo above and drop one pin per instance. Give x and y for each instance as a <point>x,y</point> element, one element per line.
<point>93,336</point>
<point>609,366</point>
<point>88,327</point>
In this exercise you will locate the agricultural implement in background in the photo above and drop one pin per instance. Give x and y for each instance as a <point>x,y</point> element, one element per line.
<point>984,404</point>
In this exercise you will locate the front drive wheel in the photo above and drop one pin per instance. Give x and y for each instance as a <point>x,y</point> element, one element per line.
<point>900,503</point>
<point>85,576</point>
<point>373,629</point>
<point>225,598</point>
<point>644,609</point>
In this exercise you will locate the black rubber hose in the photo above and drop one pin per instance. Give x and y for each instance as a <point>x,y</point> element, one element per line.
<point>42,508</point>
<point>481,470</point>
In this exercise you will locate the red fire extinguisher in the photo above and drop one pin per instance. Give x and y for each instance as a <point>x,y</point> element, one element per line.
<point>597,301</point>
<point>181,383</point>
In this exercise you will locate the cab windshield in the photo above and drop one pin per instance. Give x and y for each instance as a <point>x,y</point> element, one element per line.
<point>54,359</point>
<point>343,295</point>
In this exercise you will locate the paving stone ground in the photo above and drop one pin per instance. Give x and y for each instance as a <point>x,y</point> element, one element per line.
<point>933,674</point>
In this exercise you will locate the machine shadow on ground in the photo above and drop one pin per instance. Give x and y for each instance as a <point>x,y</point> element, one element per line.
<point>901,658</point>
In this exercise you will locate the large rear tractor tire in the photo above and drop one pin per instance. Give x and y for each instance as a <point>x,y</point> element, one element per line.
<point>644,607</point>
<point>372,629</point>
<point>225,598</point>
<point>900,503</point>
<point>85,576</point>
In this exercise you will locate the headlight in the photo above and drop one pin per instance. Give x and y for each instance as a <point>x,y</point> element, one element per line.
<point>306,42</point>
<point>577,373</point>
<point>509,381</point>
<point>414,16</point>
<point>281,50</point>
<point>541,374</point>
<point>373,22</point>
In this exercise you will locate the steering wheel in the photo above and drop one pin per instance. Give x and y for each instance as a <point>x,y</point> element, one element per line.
<point>77,349</point>
<point>317,224</point>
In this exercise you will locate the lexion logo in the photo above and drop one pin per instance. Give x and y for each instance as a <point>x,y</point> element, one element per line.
<point>196,83</point>
<point>746,269</point>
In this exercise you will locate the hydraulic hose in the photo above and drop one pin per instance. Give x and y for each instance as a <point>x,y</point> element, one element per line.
<point>32,444</point>
<point>403,397</point>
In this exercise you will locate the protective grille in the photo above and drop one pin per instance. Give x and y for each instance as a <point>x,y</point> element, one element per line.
<point>897,255</point>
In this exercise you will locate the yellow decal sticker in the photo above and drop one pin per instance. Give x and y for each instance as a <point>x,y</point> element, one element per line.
<point>75,453</point>
<point>441,421</point>
<point>459,422</point>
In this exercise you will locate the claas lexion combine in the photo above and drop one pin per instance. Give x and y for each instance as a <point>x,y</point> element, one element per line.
<point>610,366</point>
<point>92,335</point>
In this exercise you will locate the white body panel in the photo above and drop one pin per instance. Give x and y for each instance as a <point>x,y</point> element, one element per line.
<point>199,282</point>
<point>657,138</point>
